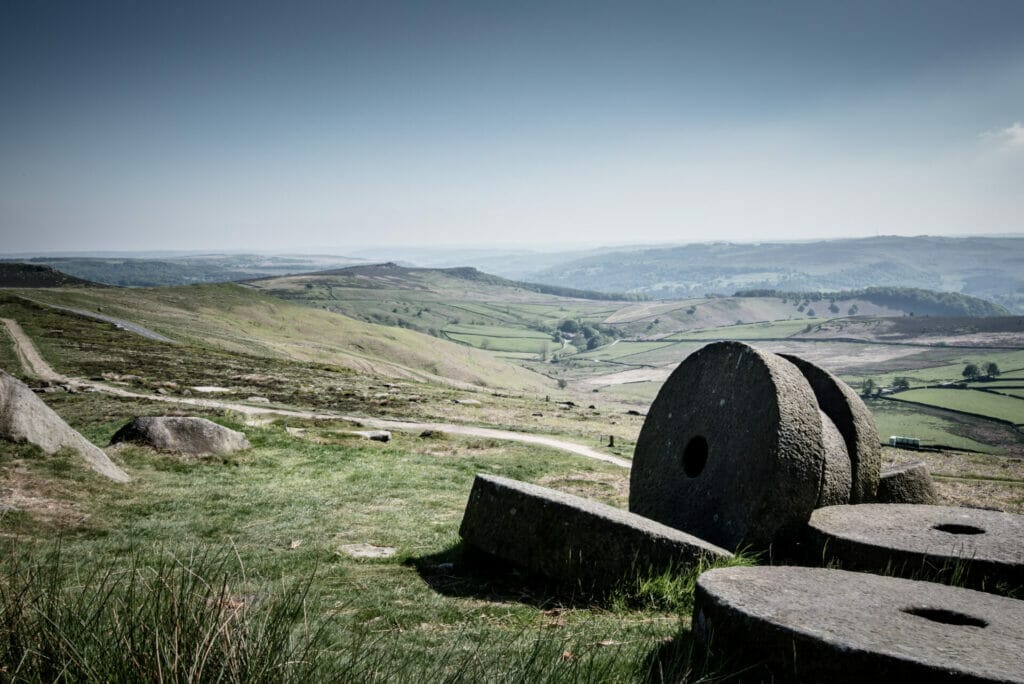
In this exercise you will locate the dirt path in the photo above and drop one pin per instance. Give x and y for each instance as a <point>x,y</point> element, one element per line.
<point>29,356</point>
<point>35,364</point>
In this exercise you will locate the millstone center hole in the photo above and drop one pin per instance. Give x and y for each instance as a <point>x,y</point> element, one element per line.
<point>946,617</point>
<point>954,528</point>
<point>695,456</point>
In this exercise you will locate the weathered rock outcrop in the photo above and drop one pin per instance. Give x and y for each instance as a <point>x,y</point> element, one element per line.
<point>25,418</point>
<point>183,435</point>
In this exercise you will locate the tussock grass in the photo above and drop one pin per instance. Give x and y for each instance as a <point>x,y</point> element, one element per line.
<point>179,620</point>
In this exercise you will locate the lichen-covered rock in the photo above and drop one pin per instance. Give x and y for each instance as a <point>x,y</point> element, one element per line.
<point>183,435</point>
<point>25,418</point>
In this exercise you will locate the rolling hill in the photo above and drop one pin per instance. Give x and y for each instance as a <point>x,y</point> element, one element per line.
<point>991,268</point>
<point>18,274</point>
<point>241,319</point>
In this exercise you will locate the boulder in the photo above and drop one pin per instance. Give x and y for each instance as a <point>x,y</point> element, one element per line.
<point>25,418</point>
<point>181,435</point>
<point>907,483</point>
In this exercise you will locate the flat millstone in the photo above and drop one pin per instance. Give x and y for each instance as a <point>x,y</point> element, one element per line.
<point>854,422</point>
<point>815,625</point>
<point>732,449</point>
<point>985,547</point>
<point>907,483</point>
<point>567,538</point>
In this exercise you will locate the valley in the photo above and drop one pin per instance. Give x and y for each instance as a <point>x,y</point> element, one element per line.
<point>468,373</point>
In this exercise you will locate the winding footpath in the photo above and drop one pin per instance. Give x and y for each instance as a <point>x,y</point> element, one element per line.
<point>35,365</point>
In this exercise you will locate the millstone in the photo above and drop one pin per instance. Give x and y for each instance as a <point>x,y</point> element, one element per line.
<point>816,625</point>
<point>855,423</point>
<point>732,449</point>
<point>568,538</point>
<point>984,549</point>
<point>907,483</point>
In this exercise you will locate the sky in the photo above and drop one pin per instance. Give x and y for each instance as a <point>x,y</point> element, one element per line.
<point>296,126</point>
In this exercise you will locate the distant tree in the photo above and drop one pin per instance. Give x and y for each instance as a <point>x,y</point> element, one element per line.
<point>569,326</point>
<point>833,308</point>
<point>595,342</point>
<point>971,371</point>
<point>867,387</point>
<point>800,307</point>
<point>556,336</point>
<point>588,332</point>
<point>991,369</point>
<point>852,311</point>
<point>901,383</point>
<point>692,310</point>
<point>562,383</point>
<point>810,312</point>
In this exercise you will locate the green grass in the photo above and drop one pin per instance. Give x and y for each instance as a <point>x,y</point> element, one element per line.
<point>969,401</point>
<point>282,512</point>
<point>235,319</point>
<point>952,371</point>
<point>899,418</point>
<point>9,360</point>
<point>753,331</point>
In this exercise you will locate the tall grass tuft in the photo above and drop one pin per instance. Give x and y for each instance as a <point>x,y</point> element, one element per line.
<point>177,620</point>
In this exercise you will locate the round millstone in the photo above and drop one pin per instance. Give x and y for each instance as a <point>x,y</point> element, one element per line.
<point>907,483</point>
<point>979,548</point>
<point>731,450</point>
<point>855,423</point>
<point>814,625</point>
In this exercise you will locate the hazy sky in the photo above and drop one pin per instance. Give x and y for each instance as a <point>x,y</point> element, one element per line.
<point>296,125</point>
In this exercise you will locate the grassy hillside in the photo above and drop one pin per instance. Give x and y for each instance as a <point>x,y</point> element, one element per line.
<point>234,318</point>
<point>18,274</point>
<point>186,270</point>
<point>459,304</point>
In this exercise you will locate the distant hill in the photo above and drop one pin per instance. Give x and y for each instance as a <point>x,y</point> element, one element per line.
<point>989,268</point>
<point>13,274</point>
<point>391,274</point>
<point>188,270</point>
<point>910,299</point>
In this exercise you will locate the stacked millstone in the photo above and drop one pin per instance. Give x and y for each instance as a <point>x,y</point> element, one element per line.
<point>741,445</point>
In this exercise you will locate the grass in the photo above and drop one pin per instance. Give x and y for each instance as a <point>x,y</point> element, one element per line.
<point>897,418</point>
<point>235,319</point>
<point>754,331</point>
<point>1005,408</point>
<point>286,509</point>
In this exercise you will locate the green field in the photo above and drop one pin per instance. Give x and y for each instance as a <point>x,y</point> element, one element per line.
<point>1005,408</point>
<point>952,371</point>
<point>753,331</point>
<point>899,418</point>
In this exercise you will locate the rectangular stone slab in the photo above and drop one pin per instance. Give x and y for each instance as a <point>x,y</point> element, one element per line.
<point>568,538</point>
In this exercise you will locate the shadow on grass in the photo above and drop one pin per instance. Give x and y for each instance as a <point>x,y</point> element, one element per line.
<point>463,571</point>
